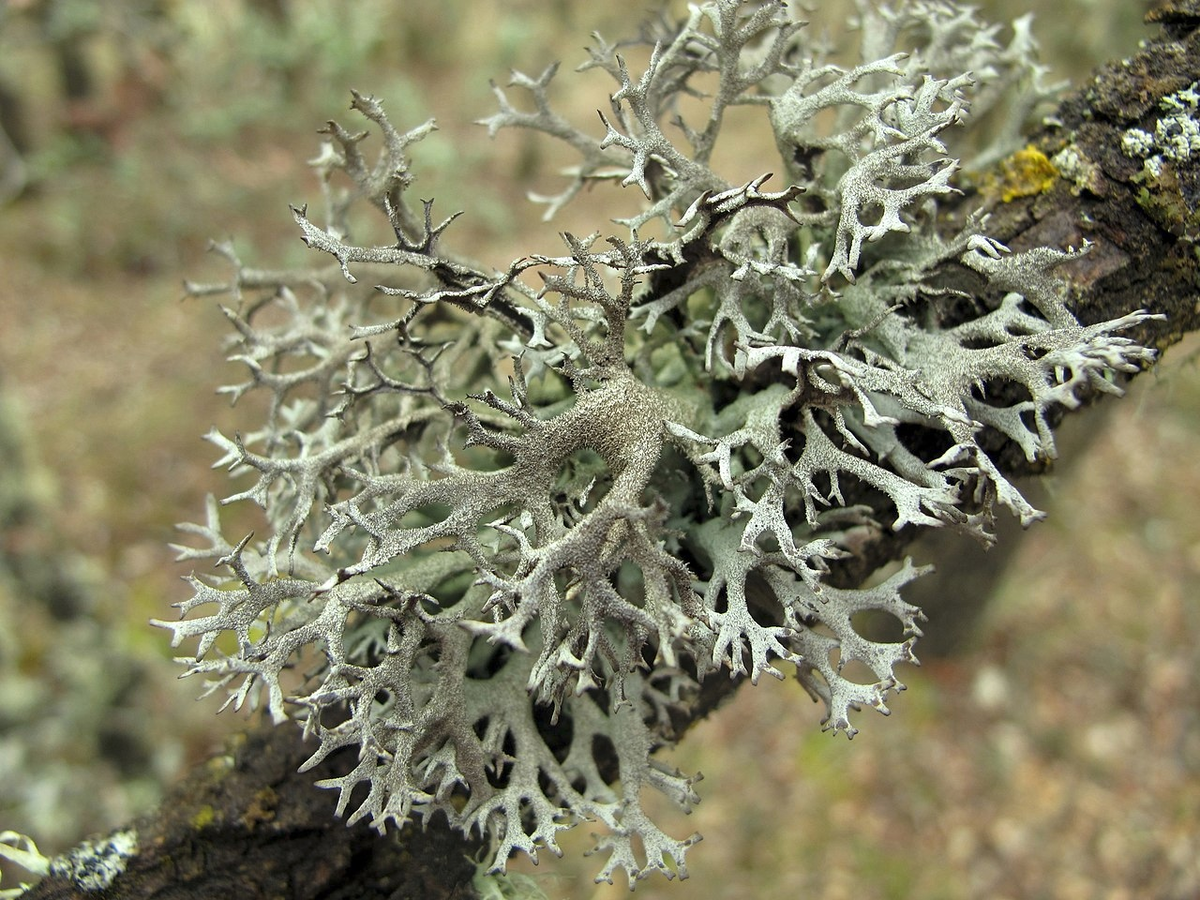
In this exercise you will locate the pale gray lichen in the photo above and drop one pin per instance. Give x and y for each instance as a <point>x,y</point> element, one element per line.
<point>1176,135</point>
<point>515,522</point>
<point>21,850</point>
<point>94,865</point>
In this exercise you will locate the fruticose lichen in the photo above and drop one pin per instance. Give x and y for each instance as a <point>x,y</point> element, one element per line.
<point>517,516</point>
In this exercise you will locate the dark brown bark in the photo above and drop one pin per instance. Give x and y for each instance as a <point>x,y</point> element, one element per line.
<point>249,826</point>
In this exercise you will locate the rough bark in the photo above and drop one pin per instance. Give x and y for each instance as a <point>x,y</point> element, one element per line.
<point>248,826</point>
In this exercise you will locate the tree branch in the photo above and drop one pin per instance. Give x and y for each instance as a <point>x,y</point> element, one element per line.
<point>248,825</point>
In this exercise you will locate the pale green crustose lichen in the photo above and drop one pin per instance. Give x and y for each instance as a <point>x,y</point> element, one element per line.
<point>1176,135</point>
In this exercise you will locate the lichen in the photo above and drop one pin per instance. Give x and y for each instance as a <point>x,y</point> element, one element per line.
<point>20,849</point>
<point>1174,138</point>
<point>1026,173</point>
<point>517,516</point>
<point>1074,165</point>
<point>94,865</point>
<point>204,817</point>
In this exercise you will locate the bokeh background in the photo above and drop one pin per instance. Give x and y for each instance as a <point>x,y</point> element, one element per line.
<point>1052,750</point>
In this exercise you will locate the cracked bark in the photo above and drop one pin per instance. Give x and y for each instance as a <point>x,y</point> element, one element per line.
<point>249,826</point>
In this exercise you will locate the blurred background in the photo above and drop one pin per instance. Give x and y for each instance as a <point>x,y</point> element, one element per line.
<point>1051,750</point>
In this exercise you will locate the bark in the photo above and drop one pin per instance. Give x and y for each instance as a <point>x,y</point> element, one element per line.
<point>248,826</point>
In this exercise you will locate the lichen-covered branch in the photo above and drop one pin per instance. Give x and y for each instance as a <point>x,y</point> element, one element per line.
<point>491,584</point>
<point>528,525</point>
<point>248,824</point>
